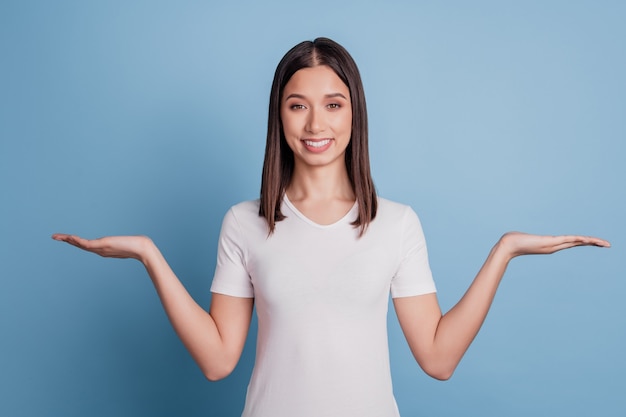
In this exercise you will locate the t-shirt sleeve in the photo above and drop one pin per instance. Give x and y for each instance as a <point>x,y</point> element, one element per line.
<point>231,276</point>
<point>413,276</point>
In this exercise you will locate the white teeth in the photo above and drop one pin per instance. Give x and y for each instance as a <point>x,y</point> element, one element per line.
<point>317,144</point>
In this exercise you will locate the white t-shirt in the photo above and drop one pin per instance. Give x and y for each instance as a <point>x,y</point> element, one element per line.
<point>321,296</point>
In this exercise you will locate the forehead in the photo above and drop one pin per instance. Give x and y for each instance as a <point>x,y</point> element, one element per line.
<point>318,80</point>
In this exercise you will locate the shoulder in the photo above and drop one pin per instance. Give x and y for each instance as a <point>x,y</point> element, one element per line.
<point>388,208</point>
<point>244,216</point>
<point>396,216</point>
<point>246,208</point>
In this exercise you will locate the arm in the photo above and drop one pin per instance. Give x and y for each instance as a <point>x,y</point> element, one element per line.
<point>438,341</point>
<point>215,340</point>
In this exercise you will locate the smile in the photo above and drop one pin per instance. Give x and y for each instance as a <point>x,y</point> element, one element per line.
<point>316,143</point>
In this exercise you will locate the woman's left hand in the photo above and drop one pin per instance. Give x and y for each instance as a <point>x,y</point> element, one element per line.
<point>517,244</point>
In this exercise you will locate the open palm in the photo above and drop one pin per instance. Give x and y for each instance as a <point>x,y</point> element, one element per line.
<point>110,246</point>
<point>518,243</point>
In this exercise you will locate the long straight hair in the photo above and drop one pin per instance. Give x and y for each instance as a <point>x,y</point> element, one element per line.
<point>278,164</point>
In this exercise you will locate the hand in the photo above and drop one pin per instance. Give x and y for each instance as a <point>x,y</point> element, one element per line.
<point>110,247</point>
<point>517,243</point>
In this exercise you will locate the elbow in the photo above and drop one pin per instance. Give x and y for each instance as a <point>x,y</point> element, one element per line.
<point>441,372</point>
<point>441,375</point>
<point>215,374</point>
<point>438,365</point>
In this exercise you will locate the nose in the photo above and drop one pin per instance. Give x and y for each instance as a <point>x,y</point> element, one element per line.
<point>315,121</point>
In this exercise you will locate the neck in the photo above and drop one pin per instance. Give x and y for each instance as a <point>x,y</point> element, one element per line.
<point>323,183</point>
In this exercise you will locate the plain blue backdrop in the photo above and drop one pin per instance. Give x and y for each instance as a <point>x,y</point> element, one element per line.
<point>147,117</point>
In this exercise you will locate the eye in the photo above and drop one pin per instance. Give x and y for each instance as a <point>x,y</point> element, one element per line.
<point>297,107</point>
<point>334,106</point>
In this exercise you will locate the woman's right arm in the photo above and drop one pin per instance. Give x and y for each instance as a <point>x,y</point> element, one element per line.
<point>214,339</point>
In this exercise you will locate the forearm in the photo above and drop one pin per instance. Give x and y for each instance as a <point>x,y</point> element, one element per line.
<point>194,325</point>
<point>458,327</point>
<point>438,341</point>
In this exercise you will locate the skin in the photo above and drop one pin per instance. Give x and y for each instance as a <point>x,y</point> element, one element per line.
<point>317,106</point>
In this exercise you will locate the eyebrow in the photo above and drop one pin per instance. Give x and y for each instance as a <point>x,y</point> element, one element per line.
<point>300,96</point>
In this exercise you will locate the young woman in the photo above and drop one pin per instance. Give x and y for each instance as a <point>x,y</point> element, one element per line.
<point>319,253</point>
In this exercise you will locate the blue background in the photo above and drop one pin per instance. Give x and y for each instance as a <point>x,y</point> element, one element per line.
<point>149,118</point>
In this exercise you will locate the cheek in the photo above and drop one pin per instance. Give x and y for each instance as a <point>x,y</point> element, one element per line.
<point>287,124</point>
<point>287,130</point>
<point>347,124</point>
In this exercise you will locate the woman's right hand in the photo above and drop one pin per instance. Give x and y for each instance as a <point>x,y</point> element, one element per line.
<point>135,247</point>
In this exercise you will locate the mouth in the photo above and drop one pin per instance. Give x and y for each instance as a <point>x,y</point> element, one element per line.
<point>317,145</point>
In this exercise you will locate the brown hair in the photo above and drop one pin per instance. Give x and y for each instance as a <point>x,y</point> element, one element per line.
<point>279,160</point>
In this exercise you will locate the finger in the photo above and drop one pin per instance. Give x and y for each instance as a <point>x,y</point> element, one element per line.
<point>598,242</point>
<point>77,241</point>
<point>565,245</point>
<point>93,245</point>
<point>587,241</point>
<point>62,237</point>
<point>566,242</point>
<point>74,240</point>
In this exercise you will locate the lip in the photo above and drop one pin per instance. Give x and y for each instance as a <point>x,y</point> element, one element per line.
<point>317,145</point>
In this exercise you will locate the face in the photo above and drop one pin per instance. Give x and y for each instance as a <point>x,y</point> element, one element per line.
<point>316,113</point>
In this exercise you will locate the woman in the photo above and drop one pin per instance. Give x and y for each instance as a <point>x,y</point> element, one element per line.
<point>319,253</point>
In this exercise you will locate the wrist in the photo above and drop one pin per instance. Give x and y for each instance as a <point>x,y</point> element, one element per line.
<point>503,249</point>
<point>147,250</point>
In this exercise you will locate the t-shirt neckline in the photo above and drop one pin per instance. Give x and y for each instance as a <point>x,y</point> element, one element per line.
<point>349,217</point>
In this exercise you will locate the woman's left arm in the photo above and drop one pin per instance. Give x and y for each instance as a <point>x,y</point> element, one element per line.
<point>438,341</point>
